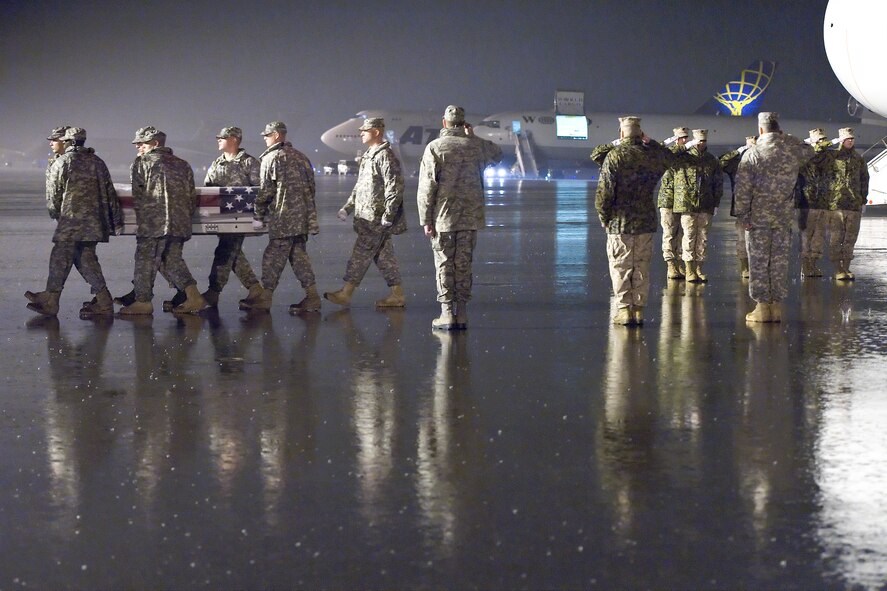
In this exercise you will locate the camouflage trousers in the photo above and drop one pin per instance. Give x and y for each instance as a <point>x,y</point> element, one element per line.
<point>768,252</point>
<point>695,227</point>
<point>741,248</point>
<point>229,255</point>
<point>162,254</point>
<point>453,255</point>
<point>671,234</point>
<point>80,255</point>
<point>843,226</point>
<point>812,224</point>
<point>629,256</point>
<point>376,248</point>
<point>281,250</point>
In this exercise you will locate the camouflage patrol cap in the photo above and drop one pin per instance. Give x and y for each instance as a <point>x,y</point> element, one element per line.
<point>765,119</point>
<point>57,133</point>
<point>700,135</point>
<point>372,123</point>
<point>230,132</point>
<point>846,133</point>
<point>278,126</point>
<point>454,115</point>
<point>149,133</point>
<point>817,135</point>
<point>630,126</point>
<point>681,132</point>
<point>74,134</point>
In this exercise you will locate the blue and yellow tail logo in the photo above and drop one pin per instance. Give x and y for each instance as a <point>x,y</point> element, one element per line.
<point>742,96</point>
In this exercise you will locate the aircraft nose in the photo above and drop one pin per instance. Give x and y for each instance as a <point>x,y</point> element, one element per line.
<point>339,137</point>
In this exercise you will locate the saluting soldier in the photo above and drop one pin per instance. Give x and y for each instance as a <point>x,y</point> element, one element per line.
<point>849,192</point>
<point>812,195</point>
<point>668,219</point>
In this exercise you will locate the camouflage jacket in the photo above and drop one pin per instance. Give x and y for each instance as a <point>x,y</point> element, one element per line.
<point>765,180</point>
<point>378,193</point>
<point>163,194</point>
<point>729,163</point>
<point>600,153</point>
<point>451,180</point>
<point>286,194</point>
<point>849,182</point>
<point>624,200</point>
<point>82,198</point>
<point>666,185</point>
<point>240,171</point>
<point>698,183</point>
<point>815,180</point>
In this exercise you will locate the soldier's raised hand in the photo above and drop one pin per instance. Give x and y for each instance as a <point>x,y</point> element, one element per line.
<point>342,214</point>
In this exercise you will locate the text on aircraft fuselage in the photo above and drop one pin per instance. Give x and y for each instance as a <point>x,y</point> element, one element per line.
<point>416,133</point>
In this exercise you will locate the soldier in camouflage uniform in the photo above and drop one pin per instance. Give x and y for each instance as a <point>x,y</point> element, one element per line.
<point>234,168</point>
<point>849,192</point>
<point>812,197</point>
<point>81,197</point>
<point>729,163</point>
<point>698,188</point>
<point>672,232</point>
<point>164,199</point>
<point>377,203</point>
<point>765,182</point>
<point>451,210</point>
<point>286,198</point>
<point>626,206</point>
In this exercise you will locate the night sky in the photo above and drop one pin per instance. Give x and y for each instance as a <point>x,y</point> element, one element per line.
<point>112,67</point>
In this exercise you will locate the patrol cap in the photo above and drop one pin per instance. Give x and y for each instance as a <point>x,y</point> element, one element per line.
<point>74,134</point>
<point>817,135</point>
<point>765,119</point>
<point>230,132</point>
<point>846,133</point>
<point>680,132</point>
<point>630,125</point>
<point>454,115</point>
<point>372,123</point>
<point>278,126</point>
<point>57,133</point>
<point>149,133</point>
<point>700,135</point>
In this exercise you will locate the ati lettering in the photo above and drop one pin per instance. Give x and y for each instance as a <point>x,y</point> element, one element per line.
<point>416,133</point>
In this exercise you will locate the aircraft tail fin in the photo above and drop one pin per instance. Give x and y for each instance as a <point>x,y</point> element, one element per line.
<point>741,96</point>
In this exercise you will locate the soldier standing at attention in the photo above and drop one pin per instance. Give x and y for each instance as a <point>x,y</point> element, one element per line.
<point>377,203</point>
<point>81,197</point>
<point>729,164</point>
<point>849,192</point>
<point>765,182</point>
<point>234,168</point>
<point>698,188</point>
<point>451,210</point>
<point>671,221</point>
<point>626,207</point>
<point>164,200</point>
<point>812,195</point>
<point>286,198</point>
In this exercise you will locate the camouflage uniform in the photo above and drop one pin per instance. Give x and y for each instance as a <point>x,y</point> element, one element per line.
<point>729,164</point>
<point>377,197</point>
<point>670,221</point>
<point>451,199</point>
<point>286,198</point>
<point>599,154</point>
<point>81,196</point>
<point>626,205</point>
<point>240,171</point>
<point>848,193</point>
<point>164,199</point>
<point>698,188</point>
<point>812,196</point>
<point>764,192</point>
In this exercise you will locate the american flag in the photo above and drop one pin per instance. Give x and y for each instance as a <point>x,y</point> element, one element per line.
<point>236,199</point>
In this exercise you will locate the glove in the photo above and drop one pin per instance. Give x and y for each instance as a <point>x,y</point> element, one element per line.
<point>386,224</point>
<point>808,141</point>
<point>258,225</point>
<point>670,140</point>
<point>616,142</point>
<point>342,214</point>
<point>691,143</point>
<point>836,141</point>
<point>742,150</point>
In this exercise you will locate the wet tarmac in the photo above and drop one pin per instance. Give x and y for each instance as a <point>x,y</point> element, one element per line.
<point>541,448</point>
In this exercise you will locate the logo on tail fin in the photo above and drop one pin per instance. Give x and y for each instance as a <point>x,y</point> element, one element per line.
<point>742,97</point>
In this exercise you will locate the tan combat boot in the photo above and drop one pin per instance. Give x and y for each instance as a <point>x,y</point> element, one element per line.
<point>847,274</point>
<point>761,313</point>
<point>775,311</point>
<point>46,303</point>
<point>461,315</point>
<point>446,320</point>
<point>700,276</point>
<point>343,296</point>
<point>623,317</point>
<point>637,314</point>
<point>806,268</point>
<point>674,270</point>
<point>743,269</point>
<point>840,273</point>
<point>310,303</point>
<point>102,305</point>
<point>255,290</point>
<point>126,299</point>
<point>263,302</point>
<point>692,277</point>
<point>212,298</point>
<point>137,308</point>
<point>176,301</point>
<point>394,300</point>
<point>194,302</point>
<point>36,297</point>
